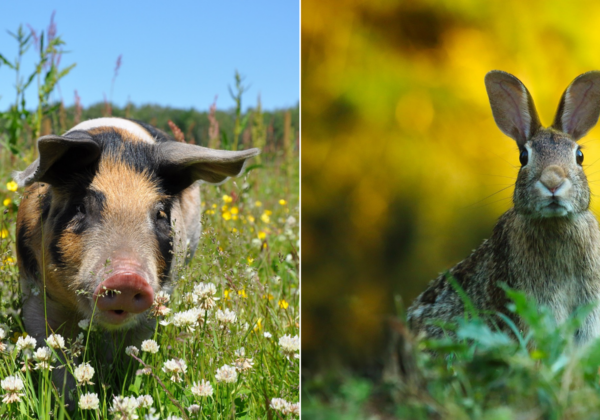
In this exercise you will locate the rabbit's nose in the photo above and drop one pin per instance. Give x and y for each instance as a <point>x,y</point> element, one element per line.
<point>553,177</point>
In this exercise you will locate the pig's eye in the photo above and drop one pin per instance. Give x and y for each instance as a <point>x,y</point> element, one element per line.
<point>162,213</point>
<point>80,211</point>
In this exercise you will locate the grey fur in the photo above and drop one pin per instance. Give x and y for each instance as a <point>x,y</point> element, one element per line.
<point>548,244</point>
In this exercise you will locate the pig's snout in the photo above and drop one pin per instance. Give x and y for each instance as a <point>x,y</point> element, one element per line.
<point>123,294</point>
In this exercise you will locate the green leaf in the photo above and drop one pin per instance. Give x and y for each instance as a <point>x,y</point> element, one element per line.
<point>6,62</point>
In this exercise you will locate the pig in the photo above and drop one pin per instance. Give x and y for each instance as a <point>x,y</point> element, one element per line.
<point>110,210</point>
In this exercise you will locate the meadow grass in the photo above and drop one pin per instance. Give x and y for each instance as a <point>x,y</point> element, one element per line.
<point>226,344</point>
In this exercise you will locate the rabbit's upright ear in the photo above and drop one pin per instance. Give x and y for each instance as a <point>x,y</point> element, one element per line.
<point>579,106</point>
<point>512,106</point>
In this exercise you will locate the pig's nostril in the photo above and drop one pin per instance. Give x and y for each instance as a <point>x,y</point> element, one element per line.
<point>138,297</point>
<point>118,311</point>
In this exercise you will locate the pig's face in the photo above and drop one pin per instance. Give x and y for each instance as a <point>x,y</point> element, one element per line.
<point>103,220</point>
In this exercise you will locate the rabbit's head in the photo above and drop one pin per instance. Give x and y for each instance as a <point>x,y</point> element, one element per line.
<point>551,182</point>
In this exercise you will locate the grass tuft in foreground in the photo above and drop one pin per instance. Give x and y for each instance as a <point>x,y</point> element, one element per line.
<point>479,372</point>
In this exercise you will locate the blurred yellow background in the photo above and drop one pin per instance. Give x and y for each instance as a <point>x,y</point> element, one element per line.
<point>404,171</point>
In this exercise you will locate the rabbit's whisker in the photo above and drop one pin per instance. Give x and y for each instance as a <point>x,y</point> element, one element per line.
<point>491,195</point>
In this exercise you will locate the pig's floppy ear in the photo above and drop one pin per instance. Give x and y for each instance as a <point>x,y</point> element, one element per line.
<point>183,164</point>
<point>59,155</point>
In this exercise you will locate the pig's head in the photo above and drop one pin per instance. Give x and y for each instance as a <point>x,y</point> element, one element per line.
<point>112,219</point>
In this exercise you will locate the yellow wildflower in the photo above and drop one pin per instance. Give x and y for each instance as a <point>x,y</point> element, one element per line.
<point>251,219</point>
<point>3,233</point>
<point>250,260</point>
<point>225,207</point>
<point>12,186</point>
<point>262,235</point>
<point>268,296</point>
<point>227,215</point>
<point>214,206</point>
<point>242,293</point>
<point>226,294</point>
<point>7,202</point>
<point>257,203</point>
<point>265,218</point>
<point>234,230</point>
<point>234,210</point>
<point>258,325</point>
<point>227,198</point>
<point>282,202</point>
<point>283,304</point>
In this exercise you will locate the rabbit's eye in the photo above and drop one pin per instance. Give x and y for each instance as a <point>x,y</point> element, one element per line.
<point>579,156</point>
<point>524,157</point>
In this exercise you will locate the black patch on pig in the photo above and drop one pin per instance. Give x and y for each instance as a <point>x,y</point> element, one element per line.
<point>46,202</point>
<point>81,212</point>
<point>26,255</point>
<point>162,230</point>
<point>159,135</point>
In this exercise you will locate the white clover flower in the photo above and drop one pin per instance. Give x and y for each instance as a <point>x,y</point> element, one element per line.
<point>150,346</point>
<point>267,334</point>
<point>2,334</point>
<point>159,307</point>
<point>186,319</point>
<point>205,289</point>
<point>13,385</point>
<point>242,364</point>
<point>279,404</point>
<point>203,389</point>
<point>129,350</point>
<point>43,357</point>
<point>26,343</point>
<point>190,299</point>
<point>226,374</point>
<point>162,298</point>
<point>123,408</point>
<point>152,414</point>
<point>56,341</point>
<point>43,354</point>
<point>194,408</point>
<point>145,401</point>
<point>89,401</point>
<point>175,367</point>
<point>226,317</point>
<point>294,409</point>
<point>84,373</point>
<point>205,293</point>
<point>241,352</point>
<point>289,344</point>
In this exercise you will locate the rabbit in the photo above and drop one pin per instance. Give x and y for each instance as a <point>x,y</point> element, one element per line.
<point>548,244</point>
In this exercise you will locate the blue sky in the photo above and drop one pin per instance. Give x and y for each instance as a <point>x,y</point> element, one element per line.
<point>174,53</point>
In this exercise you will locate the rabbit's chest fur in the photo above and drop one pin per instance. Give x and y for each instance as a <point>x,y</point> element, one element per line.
<point>557,261</point>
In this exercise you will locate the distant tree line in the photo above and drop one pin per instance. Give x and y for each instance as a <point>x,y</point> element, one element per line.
<point>195,125</point>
